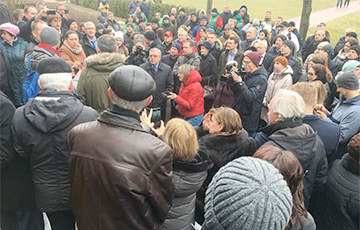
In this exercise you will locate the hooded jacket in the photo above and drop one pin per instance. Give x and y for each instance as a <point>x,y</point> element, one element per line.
<point>39,132</point>
<point>93,82</point>
<point>341,199</point>
<point>249,95</point>
<point>192,59</point>
<point>221,149</point>
<point>307,146</point>
<point>281,80</point>
<point>188,177</point>
<point>191,96</point>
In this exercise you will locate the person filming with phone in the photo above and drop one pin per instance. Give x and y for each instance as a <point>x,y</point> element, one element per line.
<point>190,101</point>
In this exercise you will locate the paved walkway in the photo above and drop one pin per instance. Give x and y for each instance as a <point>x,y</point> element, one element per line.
<point>328,14</point>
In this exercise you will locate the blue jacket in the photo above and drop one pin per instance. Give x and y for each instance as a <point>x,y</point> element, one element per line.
<point>196,29</point>
<point>145,8</point>
<point>15,54</point>
<point>249,95</point>
<point>347,115</point>
<point>328,131</point>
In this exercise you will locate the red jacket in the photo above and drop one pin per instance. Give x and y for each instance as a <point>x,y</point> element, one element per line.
<point>191,96</point>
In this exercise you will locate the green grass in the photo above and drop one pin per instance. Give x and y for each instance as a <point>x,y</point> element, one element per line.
<point>338,26</point>
<point>257,8</point>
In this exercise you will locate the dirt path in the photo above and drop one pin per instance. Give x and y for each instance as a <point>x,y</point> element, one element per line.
<point>328,14</point>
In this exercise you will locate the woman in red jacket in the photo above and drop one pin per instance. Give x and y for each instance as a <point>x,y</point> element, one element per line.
<point>190,101</point>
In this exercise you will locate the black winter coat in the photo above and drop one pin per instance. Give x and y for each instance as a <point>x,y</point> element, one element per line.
<point>87,47</point>
<point>188,177</point>
<point>208,71</point>
<point>341,198</point>
<point>249,96</point>
<point>295,64</point>
<point>221,150</point>
<point>164,83</point>
<point>17,187</point>
<point>39,132</point>
<point>309,149</point>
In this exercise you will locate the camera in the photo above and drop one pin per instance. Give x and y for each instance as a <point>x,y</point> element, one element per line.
<point>139,50</point>
<point>229,68</point>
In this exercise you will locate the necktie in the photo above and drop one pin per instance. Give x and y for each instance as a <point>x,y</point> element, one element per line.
<point>154,68</point>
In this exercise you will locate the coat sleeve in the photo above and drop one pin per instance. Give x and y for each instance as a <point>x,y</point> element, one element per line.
<point>170,82</point>
<point>18,146</point>
<point>297,72</point>
<point>194,94</point>
<point>80,89</point>
<point>161,186</point>
<point>219,23</point>
<point>64,55</point>
<point>250,94</point>
<point>349,126</point>
<point>6,148</point>
<point>304,48</point>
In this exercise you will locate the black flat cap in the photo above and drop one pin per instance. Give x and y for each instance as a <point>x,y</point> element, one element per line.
<point>132,83</point>
<point>53,65</point>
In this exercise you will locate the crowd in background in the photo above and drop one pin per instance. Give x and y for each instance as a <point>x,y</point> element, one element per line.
<point>225,120</point>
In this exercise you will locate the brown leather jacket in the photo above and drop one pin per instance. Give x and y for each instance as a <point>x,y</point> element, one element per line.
<point>121,176</point>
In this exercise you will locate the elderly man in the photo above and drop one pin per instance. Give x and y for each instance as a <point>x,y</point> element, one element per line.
<point>313,41</point>
<point>40,129</point>
<point>354,53</point>
<point>89,40</point>
<point>347,112</point>
<point>328,131</point>
<point>283,27</point>
<point>267,60</point>
<point>163,77</point>
<point>287,131</point>
<point>287,50</point>
<point>250,38</point>
<point>250,91</point>
<point>121,176</point>
<point>93,84</point>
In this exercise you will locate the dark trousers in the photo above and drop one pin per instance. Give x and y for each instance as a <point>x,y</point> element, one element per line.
<point>62,220</point>
<point>32,220</point>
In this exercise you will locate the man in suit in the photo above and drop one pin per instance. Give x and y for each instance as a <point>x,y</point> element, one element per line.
<point>267,60</point>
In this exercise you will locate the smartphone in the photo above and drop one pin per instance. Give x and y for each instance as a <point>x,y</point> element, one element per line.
<point>76,70</point>
<point>51,12</point>
<point>156,116</point>
<point>66,11</point>
<point>166,94</point>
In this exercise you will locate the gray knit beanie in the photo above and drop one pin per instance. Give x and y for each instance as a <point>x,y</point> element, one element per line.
<point>50,36</point>
<point>248,193</point>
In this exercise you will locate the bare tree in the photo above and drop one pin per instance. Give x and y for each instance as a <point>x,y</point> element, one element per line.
<point>305,18</point>
<point>13,5</point>
<point>209,7</point>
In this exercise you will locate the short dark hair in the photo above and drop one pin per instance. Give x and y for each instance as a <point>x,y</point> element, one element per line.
<point>354,147</point>
<point>191,43</point>
<point>107,43</point>
<point>70,32</point>
<point>57,5</point>
<point>27,8</point>
<point>235,39</point>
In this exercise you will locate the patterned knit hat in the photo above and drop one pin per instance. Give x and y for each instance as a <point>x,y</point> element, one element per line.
<point>282,60</point>
<point>248,193</point>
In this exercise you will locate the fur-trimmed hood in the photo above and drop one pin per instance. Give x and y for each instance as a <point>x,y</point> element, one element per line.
<point>104,61</point>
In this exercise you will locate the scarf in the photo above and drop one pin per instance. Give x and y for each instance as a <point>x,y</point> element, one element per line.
<point>76,51</point>
<point>46,46</point>
<point>342,55</point>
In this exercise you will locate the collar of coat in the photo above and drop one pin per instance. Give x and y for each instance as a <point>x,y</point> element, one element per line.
<point>270,129</point>
<point>350,164</point>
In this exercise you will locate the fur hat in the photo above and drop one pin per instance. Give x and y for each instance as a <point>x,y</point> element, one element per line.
<point>248,193</point>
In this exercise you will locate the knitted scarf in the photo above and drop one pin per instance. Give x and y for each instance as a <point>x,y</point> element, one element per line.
<point>76,51</point>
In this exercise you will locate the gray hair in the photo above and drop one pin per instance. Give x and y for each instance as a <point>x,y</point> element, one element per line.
<point>139,40</point>
<point>155,50</point>
<point>107,43</point>
<point>59,4</point>
<point>40,4</point>
<point>323,32</point>
<point>59,81</point>
<point>130,105</point>
<point>89,23</point>
<point>321,44</point>
<point>264,43</point>
<point>289,105</point>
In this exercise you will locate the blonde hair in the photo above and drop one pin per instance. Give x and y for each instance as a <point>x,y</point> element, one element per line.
<point>321,91</point>
<point>181,136</point>
<point>229,119</point>
<point>185,70</point>
<point>307,91</point>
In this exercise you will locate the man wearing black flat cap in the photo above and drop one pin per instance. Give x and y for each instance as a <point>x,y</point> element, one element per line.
<point>121,176</point>
<point>39,131</point>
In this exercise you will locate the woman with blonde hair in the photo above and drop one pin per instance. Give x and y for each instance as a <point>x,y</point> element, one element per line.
<point>321,91</point>
<point>189,170</point>
<point>226,141</point>
<point>292,171</point>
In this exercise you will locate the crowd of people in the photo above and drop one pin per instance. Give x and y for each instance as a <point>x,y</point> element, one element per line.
<point>184,121</point>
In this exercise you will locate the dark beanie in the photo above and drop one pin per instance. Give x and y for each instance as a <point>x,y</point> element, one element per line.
<point>356,48</point>
<point>99,26</point>
<point>248,193</point>
<point>352,34</point>
<point>255,57</point>
<point>328,49</point>
<point>203,17</point>
<point>150,35</point>
<point>69,21</point>
<point>131,83</point>
<point>53,65</point>
<point>214,10</point>
<point>290,44</point>
<point>206,44</point>
<point>155,20</point>
<point>177,46</point>
<point>130,24</point>
<point>182,9</point>
<point>348,80</point>
<point>192,13</point>
<point>282,37</point>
